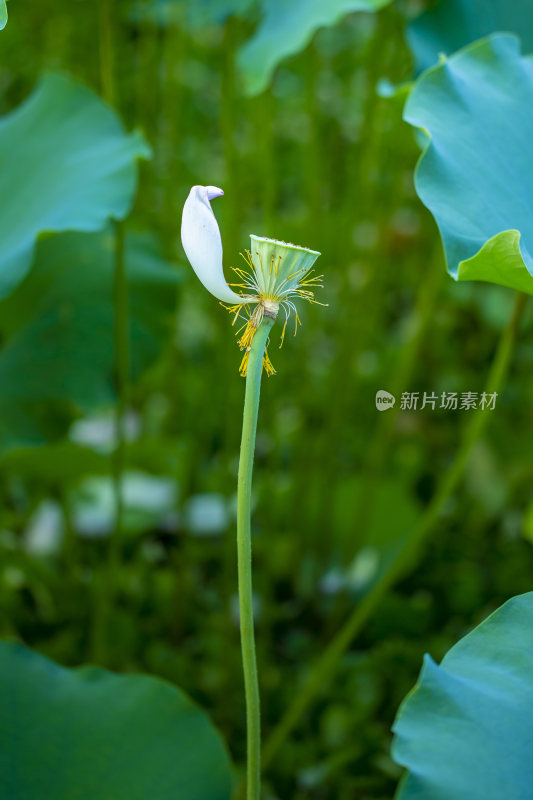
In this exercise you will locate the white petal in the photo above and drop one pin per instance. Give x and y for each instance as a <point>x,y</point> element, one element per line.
<point>200,236</point>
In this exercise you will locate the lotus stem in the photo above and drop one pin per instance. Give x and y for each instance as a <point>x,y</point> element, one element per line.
<point>244,560</point>
<point>105,588</point>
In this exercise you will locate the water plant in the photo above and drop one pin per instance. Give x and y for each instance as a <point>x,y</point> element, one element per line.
<point>276,274</point>
<point>378,534</point>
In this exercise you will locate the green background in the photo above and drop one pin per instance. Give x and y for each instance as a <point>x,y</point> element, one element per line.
<point>321,160</point>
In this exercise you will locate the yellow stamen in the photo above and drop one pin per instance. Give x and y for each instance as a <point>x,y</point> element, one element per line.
<point>245,341</point>
<point>257,284</point>
<point>267,364</point>
<point>244,364</point>
<point>283,333</point>
<point>251,326</point>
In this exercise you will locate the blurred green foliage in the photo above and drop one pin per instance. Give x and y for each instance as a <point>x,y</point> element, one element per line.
<point>287,29</point>
<point>57,327</point>
<point>319,159</point>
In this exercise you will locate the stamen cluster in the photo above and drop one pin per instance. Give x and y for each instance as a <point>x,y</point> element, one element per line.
<point>276,273</point>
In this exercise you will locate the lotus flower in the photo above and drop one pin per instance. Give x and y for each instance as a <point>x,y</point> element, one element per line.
<point>276,272</point>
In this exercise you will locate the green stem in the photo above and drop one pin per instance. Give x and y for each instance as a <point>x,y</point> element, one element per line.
<point>323,669</point>
<point>122,359</point>
<point>244,559</point>
<point>106,51</point>
<point>105,589</point>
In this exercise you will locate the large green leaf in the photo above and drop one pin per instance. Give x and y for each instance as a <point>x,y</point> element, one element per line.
<point>476,172</point>
<point>3,14</point>
<point>452,24</point>
<point>65,164</point>
<point>466,729</point>
<point>57,356</point>
<point>287,28</point>
<point>89,734</point>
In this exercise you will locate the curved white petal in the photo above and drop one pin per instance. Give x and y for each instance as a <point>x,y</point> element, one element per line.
<point>200,236</point>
